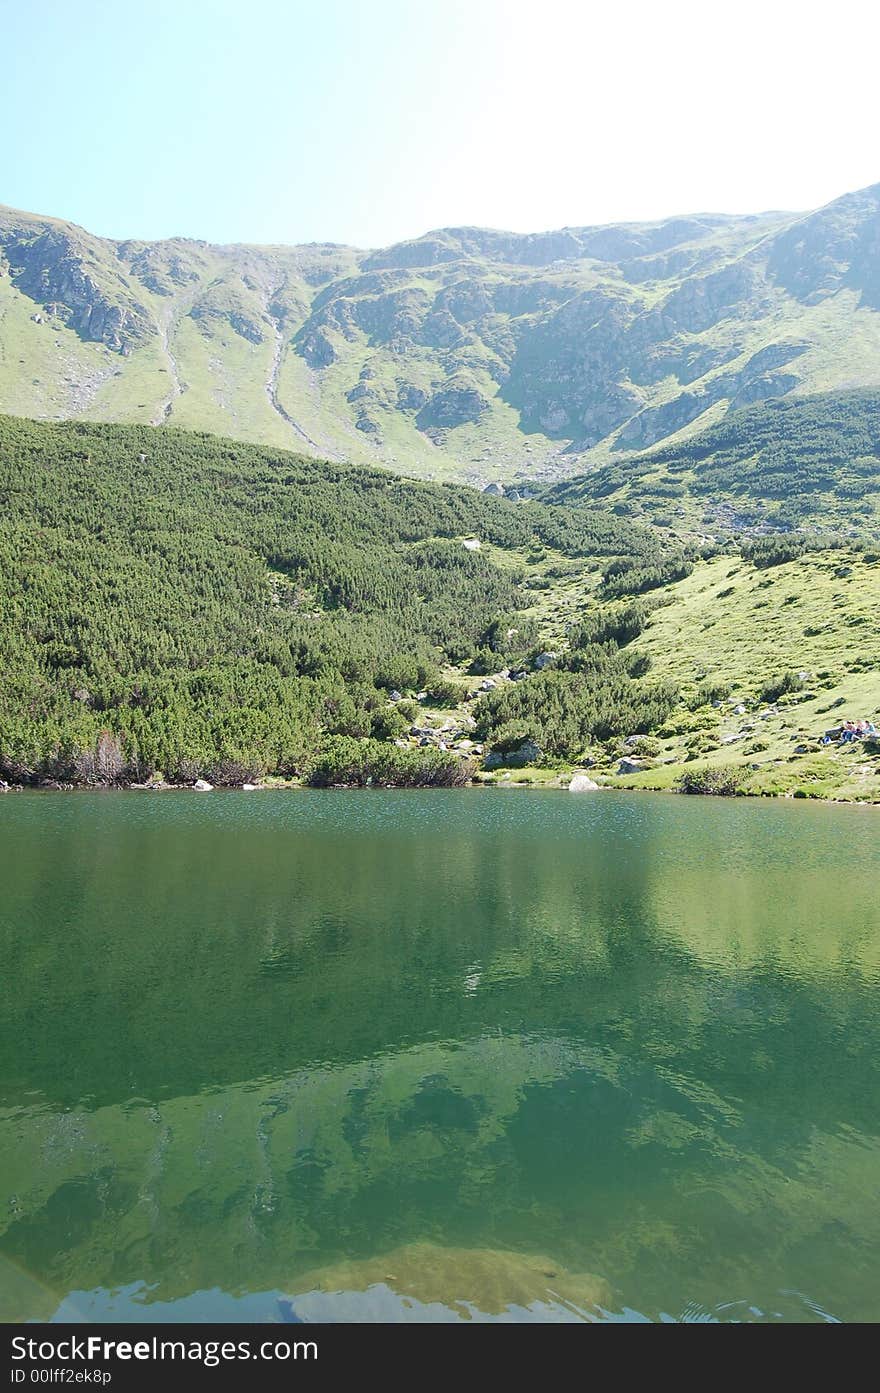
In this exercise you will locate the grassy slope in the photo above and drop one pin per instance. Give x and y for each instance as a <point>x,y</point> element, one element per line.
<point>734,624</point>
<point>731,623</point>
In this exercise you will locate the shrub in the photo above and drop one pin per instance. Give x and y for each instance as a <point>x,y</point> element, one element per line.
<point>619,625</point>
<point>709,692</point>
<point>443,693</point>
<point>723,782</point>
<point>360,763</point>
<point>232,773</point>
<point>764,552</point>
<point>781,686</point>
<point>643,746</point>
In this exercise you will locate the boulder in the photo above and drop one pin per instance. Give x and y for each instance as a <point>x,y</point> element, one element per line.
<point>582,783</point>
<point>527,753</point>
<point>544,660</point>
<point>630,766</point>
<point>471,544</point>
<point>202,786</point>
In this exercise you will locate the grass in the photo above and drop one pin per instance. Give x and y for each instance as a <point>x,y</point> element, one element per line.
<point>732,624</point>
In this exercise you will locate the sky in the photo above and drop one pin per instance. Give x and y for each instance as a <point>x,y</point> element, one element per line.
<point>367,123</point>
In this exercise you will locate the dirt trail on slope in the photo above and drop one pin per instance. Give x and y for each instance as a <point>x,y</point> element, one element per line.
<point>166,326</point>
<point>272,384</point>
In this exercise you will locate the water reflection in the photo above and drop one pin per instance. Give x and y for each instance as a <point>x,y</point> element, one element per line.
<point>267,1054</point>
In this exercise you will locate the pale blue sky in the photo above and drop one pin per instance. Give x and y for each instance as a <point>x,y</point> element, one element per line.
<point>266,120</point>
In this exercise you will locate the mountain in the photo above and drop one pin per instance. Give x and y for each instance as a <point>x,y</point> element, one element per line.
<point>466,353</point>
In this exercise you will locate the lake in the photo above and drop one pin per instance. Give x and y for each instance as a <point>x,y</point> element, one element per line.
<point>490,1054</point>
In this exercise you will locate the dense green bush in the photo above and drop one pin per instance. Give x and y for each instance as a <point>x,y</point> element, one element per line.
<point>763,552</point>
<point>619,624</point>
<point>564,711</point>
<point>723,782</point>
<point>370,763</point>
<point>633,576</point>
<point>781,686</point>
<point>709,692</point>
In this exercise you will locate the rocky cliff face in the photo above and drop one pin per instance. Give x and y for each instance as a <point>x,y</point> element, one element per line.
<point>472,352</point>
<point>61,274</point>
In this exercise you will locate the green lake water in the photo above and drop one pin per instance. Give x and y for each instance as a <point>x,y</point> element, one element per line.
<point>488,1054</point>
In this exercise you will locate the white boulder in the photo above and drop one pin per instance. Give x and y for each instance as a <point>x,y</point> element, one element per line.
<point>582,783</point>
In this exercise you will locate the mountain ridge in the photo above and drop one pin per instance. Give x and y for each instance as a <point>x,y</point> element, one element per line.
<point>467,353</point>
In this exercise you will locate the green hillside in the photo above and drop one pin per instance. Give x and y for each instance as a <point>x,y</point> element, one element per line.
<point>180,606</point>
<point>766,659</point>
<point>806,463</point>
<point>467,353</point>
<point>179,603</point>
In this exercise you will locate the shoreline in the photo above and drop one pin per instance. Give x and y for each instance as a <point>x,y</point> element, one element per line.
<point>543,785</point>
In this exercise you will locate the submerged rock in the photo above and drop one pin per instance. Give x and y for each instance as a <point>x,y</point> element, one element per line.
<point>465,1281</point>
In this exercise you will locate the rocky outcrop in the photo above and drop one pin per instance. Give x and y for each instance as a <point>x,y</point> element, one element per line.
<point>410,398</point>
<point>630,766</point>
<point>54,269</point>
<point>453,405</point>
<point>316,347</point>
